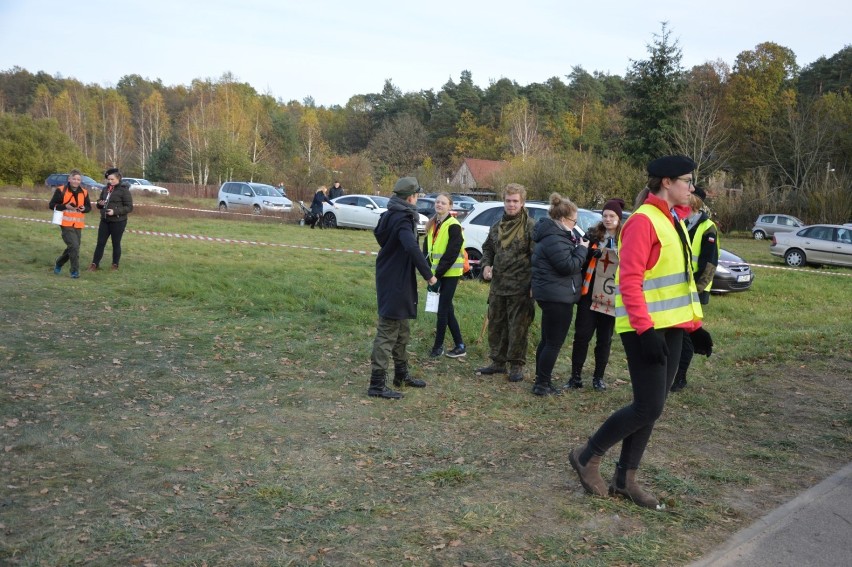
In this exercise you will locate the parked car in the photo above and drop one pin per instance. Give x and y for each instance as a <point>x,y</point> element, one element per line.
<point>426,206</point>
<point>360,211</point>
<point>767,225</point>
<point>139,184</point>
<point>732,274</point>
<point>55,180</point>
<point>254,197</point>
<point>479,220</point>
<point>815,244</point>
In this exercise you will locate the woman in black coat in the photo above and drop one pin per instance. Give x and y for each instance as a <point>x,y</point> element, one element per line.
<point>557,264</point>
<point>115,204</point>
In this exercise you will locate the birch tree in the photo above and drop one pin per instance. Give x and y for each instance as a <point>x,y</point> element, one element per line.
<point>521,125</point>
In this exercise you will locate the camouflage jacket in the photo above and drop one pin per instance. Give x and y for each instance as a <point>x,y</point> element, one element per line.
<point>512,268</point>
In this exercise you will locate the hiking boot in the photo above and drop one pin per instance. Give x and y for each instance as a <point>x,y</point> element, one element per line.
<point>457,352</point>
<point>679,383</point>
<point>598,384</point>
<point>378,389</point>
<point>75,275</point>
<point>436,352</point>
<point>93,267</point>
<point>493,368</point>
<point>114,267</point>
<point>575,382</point>
<point>516,373</point>
<point>545,388</point>
<point>57,269</point>
<point>624,484</point>
<point>590,476</point>
<point>402,377</point>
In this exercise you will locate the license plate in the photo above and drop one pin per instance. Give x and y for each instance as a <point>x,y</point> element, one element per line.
<point>744,278</point>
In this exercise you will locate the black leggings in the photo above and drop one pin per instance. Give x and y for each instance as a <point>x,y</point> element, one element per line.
<point>107,230</point>
<point>633,424</point>
<point>447,313</point>
<point>586,324</point>
<point>555,322</point>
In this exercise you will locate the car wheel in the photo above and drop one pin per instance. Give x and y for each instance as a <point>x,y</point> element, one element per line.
<point>329,220</point>
<point>223,208</point>
<point>474,257</point>
<point>759,235</point>
<point>256,209</point>
<point>795,258</point>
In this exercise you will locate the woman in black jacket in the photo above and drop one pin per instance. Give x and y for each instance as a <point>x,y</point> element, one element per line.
<point>557,264</point>
<point>115,204</point>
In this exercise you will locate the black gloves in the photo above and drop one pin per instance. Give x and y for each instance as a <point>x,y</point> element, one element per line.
<point>654,347</point>
<point>436,287</point>
<point>595,253</point>
<point>702,342</point>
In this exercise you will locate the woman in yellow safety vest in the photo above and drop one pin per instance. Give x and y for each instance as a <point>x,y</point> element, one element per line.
<point>656,302</point>
<point>73,201</point>
<point>704,238</point>
<point>444,249</point>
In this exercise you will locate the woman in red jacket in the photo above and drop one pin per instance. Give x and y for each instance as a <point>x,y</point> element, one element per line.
<point>656,302</point>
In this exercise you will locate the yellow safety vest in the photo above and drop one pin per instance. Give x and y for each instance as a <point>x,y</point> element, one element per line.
<point>696,245</point>
<point>437,245</point>
<point>669,286</point>
<point>70,218</point>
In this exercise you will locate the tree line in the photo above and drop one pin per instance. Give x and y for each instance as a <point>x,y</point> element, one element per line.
<point>767,134</point>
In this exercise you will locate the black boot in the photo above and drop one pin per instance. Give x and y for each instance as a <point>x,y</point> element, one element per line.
<point>378,388</point>
<point>576,380</point>
<point>402,377</point>
<point>599,384</point>
<point>544,387</point>
<point>679,382</point>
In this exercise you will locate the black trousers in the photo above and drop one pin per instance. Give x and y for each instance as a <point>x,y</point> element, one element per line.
<point>447,313</point>
<point>587,324</point>
<point>107,230</point>
<point>555,322</point>
<point>633,424</point>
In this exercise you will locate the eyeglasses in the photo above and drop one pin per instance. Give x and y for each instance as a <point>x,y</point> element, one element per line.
<point>573,220</point>
<point>687,180</point>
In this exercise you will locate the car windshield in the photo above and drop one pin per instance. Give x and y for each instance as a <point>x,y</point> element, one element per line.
<point>88,180</point>
<point>264,190</point>
<point>143,182</point>
<point>381,202</point>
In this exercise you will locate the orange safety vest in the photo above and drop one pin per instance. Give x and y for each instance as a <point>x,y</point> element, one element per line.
<point>73,219</point>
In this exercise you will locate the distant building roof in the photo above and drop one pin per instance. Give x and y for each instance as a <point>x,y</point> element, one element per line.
<point>477,173</point>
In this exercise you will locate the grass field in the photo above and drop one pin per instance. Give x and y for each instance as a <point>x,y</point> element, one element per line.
<point>206,405</point>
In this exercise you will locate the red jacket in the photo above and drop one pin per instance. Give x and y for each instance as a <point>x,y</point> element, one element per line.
<point>638,252</point>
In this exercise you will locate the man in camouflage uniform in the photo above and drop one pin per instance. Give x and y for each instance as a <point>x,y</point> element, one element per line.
<point>507,262</point>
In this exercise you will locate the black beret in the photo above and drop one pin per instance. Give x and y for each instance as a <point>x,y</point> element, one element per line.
<point>112,171</point>
<point>700,193</point>
<point>671,166</point>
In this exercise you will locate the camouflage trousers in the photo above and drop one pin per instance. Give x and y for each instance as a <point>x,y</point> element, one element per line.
<point>509,320</point>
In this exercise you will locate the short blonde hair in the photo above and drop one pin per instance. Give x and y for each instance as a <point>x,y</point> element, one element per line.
<point>515,189</point>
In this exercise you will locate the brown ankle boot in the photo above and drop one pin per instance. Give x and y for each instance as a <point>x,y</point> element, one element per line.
<point>631,490</point>
<point>590,476</point>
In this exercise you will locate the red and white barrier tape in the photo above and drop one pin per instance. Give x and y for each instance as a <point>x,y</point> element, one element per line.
<point>217,239</point>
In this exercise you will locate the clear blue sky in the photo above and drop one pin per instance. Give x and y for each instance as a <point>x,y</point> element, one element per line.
<point>333,49</point>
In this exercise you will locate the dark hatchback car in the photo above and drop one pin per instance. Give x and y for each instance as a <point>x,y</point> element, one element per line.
<point>60,179</point>
<point>732,274</point>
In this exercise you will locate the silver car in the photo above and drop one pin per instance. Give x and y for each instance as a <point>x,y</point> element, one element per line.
<point>254,197</point>
<point>815,244</point>
<point>767,225</point>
